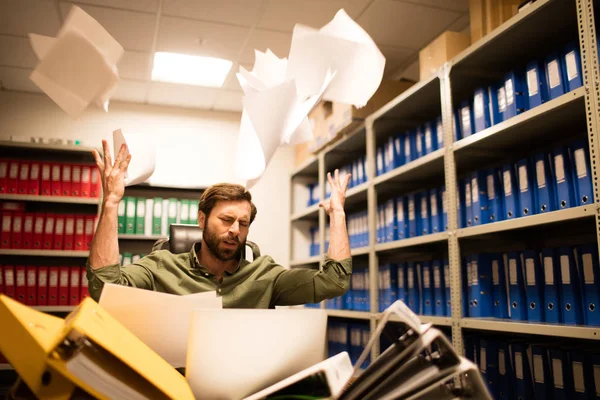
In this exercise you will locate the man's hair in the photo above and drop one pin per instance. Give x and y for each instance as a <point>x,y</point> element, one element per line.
<point>225,192</point>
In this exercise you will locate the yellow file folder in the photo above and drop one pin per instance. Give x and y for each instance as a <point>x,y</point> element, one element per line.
<point>89,349</point>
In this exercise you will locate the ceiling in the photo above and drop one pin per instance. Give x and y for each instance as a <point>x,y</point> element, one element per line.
<point>229,29</point>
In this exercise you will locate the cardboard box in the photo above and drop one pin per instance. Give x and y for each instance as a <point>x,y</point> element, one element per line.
<point>442,49</point>
<point>487,15</point>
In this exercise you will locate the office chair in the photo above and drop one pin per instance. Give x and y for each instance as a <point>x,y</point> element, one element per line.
<point>181,237</point>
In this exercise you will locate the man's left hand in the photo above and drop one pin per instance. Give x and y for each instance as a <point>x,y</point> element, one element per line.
<point>335,204</point>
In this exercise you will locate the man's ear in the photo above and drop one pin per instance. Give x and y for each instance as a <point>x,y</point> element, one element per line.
<point>201,219</point>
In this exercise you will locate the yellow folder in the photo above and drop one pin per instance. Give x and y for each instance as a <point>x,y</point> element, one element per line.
<point>89,349</point>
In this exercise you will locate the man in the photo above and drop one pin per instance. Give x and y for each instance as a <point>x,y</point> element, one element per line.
<point>225,215</point>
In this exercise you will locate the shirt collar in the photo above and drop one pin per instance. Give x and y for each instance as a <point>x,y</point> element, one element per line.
<point>194,254</point>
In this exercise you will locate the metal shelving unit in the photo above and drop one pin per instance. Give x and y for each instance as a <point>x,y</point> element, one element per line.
<point>311,212</point>
<point>51,199</point>
<point>123,236</point>
<point>44,253</point>
<point>544,23</point>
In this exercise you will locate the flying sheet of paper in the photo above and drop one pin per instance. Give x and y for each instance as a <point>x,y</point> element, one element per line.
<point>143,156</point>
<point>342,46</point>
<point>78,67</point>
<point>273,114</point>
<point>160,320</point>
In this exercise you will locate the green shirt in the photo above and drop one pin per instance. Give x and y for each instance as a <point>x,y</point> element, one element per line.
<point>261,283</point>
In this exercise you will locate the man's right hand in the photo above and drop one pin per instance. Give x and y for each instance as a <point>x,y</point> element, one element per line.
<point>112,175</point>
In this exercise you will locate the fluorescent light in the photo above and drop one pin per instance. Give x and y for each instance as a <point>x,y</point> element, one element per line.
<point>190,70</point>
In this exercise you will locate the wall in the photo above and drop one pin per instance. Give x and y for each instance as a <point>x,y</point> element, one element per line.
<point>196,148</point>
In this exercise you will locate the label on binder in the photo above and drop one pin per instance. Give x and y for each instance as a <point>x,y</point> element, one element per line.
<point>518,365</point>
<point>478,105</point>
<point>85,174</point>
<point>571,65</point>
<point>59,227</point>
<point>502,99</point>
<point>423,207</point>
<point>64,278</point>
<point>3,168</point>
<point>548,271</point>
<point>436,277</point>
<point>411,209</point>
<point>501,362</point>
<point>400,281</point>
<point>433,202</point>
<point>31,278</point>
<point>17,224</point>
<point>380,161</point>
<point>491,190</point>
<point>121,208</point>
<point>411,277</point>
<point>557,370</point>
<point>69,225</point>
<point>512,266</point>
<point>56,173</point>
<point>76,175</point>
<point>9,278</point>
<point>530,271</point>
<point>474,190</point>
<point>468,194</point>
<point>588,269</point>
<point>34,172</point>
<point>440,134</point>
<point>540,174</point>
<point>360,171</point>
<point>510,92</point>
<point>553,74</point>
<point>466,118</point>
<point>53,279</point>
<point>532,82</point>
<point>474,273</point>
<point>13,172</point>
<point>141,208</point>
<point>419,142</point>
<point>400,212</point>
<point>578,377</point>
<point>565,270</point>
<point>495,273</point>
<point>28,226</point>
<point>507,183</point>
<point>20,278</point>
<point>523,183</point>
<point>426,279</point>
<point>46,172</point>
<point>483,359</point>
<point>66,172</point>
<point>24,175</point>
<point>538,368</point>
<point>42,277</point>
<point>49,225</point>
<point>559,167</point>
<point>580,163</point>
<point>397,143</point>
<point>407,146</point>
<point>428,137</point>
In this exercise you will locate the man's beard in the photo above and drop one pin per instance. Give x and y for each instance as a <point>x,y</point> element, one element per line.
<point>212,242</point>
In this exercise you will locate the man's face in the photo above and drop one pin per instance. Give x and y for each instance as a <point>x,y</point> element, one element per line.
<point>226,229</point>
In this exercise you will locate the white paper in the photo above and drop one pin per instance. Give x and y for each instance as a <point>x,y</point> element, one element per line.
<point>273,115</point>
<point>78,67</point>
<point>162,321</point>
<point>342,46</point>
<point>143,156</point>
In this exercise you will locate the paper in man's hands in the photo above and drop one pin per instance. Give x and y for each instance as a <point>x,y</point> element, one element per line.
<point>78,67</point>
<point>143,156</point>
<point>273,114</point>
<point>342,46</point>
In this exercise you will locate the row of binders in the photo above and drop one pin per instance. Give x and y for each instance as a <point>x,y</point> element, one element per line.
<point>518,370</point>
<point>47,231</point>
<point>127,258</point>
<point>403,148</point>
<point>358,171</point>
<point>349,337</point>
<point>357,297</point>
<point>358,233</point>
<point>153,216</point>
<point>554,285</point>
<point>420,363</point>
<point>415,214</point>
<point>44,285</point>
<point>521,90</point>
<point>537,184</point>
<point>22,177</point>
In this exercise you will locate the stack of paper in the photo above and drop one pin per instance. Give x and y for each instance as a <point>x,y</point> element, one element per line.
<point>160,320</point>
<point>142,166</point>
<point>77,67</point>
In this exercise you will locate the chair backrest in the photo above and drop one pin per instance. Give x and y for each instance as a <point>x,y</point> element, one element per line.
<point>182,237</point>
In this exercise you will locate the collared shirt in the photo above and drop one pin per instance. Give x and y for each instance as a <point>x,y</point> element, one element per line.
<point>261,283</point>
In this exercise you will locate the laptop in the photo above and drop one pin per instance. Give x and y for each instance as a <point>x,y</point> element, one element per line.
<point>234,353</point>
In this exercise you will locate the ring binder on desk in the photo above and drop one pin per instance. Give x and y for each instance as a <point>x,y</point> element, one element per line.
<point>420,364</point>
